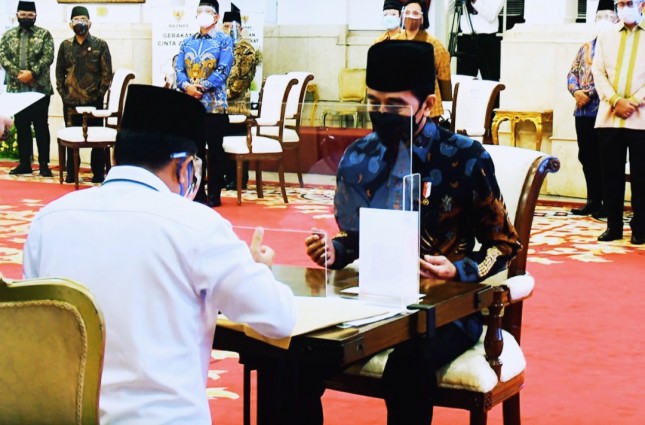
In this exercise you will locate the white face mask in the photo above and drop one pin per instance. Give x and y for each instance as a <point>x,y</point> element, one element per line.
<point>205,20</point>
<point>390,22</point>
<point>630,15</point>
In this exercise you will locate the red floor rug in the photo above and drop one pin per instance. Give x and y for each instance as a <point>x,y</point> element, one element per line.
<point>582,335</point>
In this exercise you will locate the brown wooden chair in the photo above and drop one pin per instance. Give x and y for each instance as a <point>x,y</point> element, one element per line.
<point>492,372</point>
<point>257,147</point>
<point>472,108</point>
<point>292,118</point>
<point>103,137</point>
<point>52,335</point>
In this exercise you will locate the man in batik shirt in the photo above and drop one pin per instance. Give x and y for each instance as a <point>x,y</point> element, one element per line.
<point>461,204</point>
<point>203,66</point>
<point>26,53</point>
<point>83,76</point>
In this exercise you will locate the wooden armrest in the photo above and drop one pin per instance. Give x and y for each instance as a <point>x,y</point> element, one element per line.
<point>494,341</point>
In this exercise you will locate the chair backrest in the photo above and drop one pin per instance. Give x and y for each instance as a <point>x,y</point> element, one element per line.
<point>52,336</point>
<point>116,95</point>
<point>273,97</point>
<point>297,93</point>
<point>351,85</point>
<point>520,174</point>
<point>472,108</point>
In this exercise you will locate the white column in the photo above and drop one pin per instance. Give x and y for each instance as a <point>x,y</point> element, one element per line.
<point>550,11</point>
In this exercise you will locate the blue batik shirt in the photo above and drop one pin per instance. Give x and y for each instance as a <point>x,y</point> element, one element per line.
<point>464,204</point>
<point>206,59</point>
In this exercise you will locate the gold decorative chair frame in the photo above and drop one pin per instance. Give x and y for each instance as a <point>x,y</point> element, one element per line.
<point>52,335</point>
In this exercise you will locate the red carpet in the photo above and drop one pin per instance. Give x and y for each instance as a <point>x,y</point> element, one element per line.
<point>582,336</point>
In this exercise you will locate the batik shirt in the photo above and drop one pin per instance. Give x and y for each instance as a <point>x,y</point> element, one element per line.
<point>464,202</point>
<point>241,76</point>
<point>83,71</point>
<point>206,59</point>
<point>40,56</point>
<point>581,78</point>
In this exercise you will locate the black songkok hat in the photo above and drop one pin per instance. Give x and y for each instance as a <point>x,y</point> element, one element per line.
<point>158,122</point>
<point>400,65</point>
<point>606,5</point>
<point>27,6</point>
<point>212,3</point>
<point>79,11</point>
<point>233,15</point>
<point>392,4</point>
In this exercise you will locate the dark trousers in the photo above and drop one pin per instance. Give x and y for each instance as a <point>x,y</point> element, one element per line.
<point>409,378</point>
<point>213,173</point>
<point>409,381</point>
<point>97,156</point>
<point>589,157</point>
<point>614,143</point>
<point>237,129</point>
<point>37,115</point>
<point>479,52</point>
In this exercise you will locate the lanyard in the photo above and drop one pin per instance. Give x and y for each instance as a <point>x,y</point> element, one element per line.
<point>131,181</point>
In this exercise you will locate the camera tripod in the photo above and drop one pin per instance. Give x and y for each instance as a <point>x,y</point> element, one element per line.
<point>454,27</point>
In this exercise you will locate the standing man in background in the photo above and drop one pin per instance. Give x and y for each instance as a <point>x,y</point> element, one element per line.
<point>619,73</point>
<point>83,76</point>
<point>479,47</point>
<point>26,54</point>
<point>581,86</point>
<point>391,20</point>
<point>203,66</point>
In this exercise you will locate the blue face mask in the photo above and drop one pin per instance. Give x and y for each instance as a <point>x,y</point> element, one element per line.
<point>391,22</point>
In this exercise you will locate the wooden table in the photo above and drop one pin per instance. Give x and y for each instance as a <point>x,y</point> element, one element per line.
<point>337,348</point>
<point>538,118</point>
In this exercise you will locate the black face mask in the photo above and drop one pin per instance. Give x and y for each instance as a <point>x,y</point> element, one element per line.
<point>80,29</point>
<point>26,22</point>
<point>392,128</point>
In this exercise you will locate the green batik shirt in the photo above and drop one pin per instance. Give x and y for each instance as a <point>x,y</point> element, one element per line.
<point>83,71</point>
<point>39,57</point>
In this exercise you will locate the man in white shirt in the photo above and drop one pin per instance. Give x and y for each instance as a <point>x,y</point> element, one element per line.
<point>478,47</point>
<point>159,265</point>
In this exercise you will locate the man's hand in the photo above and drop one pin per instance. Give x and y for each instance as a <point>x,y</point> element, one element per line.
<point>319,250</point>
<point>195,90</point>
<point>437,267</point>
<point>25,77</point>
<point>5,125</point>
<point>261,253</point>
<point>624,108</point>
<point>582,98</point>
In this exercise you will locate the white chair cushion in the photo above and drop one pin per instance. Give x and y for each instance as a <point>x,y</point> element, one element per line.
<point>289,135</point>
<point>237,145</point>
<point>470,371</point>
<point>236,118</point>
<point>94,134</point>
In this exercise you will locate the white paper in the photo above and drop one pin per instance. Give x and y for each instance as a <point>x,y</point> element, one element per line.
<point>12,103</point>
<point>389,256</point>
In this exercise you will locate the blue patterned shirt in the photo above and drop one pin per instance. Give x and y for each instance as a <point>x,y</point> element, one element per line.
<point>464,204</point>
<point>580,77</point>
<point>206,59</point>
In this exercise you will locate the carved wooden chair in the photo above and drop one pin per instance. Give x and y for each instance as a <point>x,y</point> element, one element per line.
<point>351,89</point>
<point>52,335</point>
<point>492,372</point>
<point>472,108</point>
<point>292,118</point>
<point>257,147</point>
<point>96,137</point>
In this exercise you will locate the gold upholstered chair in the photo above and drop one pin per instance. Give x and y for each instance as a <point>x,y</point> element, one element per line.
<point>492,372</point>
<point>352,88</point>
<point>52,336</point>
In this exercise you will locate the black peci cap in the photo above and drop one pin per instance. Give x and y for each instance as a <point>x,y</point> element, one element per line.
<point>400,65</point>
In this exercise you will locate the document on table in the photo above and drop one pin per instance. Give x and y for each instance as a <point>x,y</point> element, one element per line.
<point>315,313</point>
<point>12,103</point>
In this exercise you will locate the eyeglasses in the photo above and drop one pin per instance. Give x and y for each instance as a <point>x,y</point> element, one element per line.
<point>196,168</point>
<point>413,14</point>
<point>80,21</point>
<point>621,4</point>
<point>27,15</point>
<point>391,12</point>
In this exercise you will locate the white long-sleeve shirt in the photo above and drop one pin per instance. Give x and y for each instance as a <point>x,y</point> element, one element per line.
<point>160,267</point>
<point>485,21</point>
